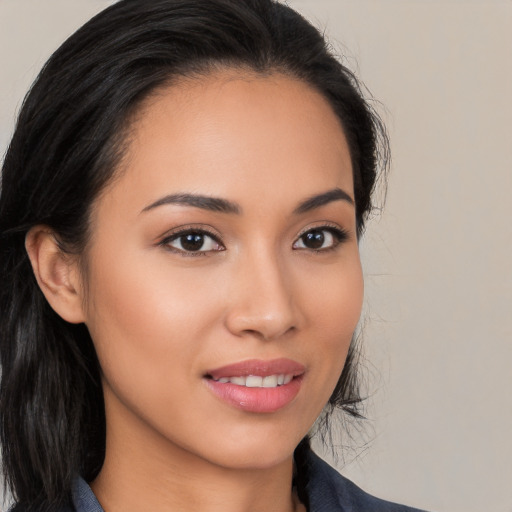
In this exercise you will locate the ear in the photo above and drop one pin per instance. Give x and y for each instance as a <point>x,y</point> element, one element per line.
<point>57,274</point>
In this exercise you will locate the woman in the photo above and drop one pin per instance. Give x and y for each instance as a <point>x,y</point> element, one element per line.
<point>180,213</point>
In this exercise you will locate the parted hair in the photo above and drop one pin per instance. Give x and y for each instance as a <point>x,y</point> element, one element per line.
<point>69,138</point>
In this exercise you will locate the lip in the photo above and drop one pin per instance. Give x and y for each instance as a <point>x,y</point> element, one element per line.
<point>258,367</point>
<point>257,400</point>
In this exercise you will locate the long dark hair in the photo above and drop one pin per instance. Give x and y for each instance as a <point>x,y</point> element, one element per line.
<point>68,141</point>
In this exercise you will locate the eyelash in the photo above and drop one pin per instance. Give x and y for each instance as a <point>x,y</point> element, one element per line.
<point>190,231</point>
<point>339,236</point>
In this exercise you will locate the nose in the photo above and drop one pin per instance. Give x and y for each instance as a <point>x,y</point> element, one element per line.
<point>263,303</point>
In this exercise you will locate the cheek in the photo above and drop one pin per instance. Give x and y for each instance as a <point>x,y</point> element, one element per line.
<point>342,303</point>
<point>143,316</point>
<point>334,303</point>
<point>150,323</point>
<point>335,298</point>
<point>143,292</point>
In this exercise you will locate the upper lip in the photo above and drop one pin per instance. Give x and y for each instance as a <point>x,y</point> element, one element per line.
<point>258,367</point>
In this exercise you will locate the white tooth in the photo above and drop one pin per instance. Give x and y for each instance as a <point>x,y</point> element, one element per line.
<point>270,381</point>
<point>223,380</point>
<point>254,381</point>
<point>287,378</point>
<point>239,381</point>
<point>280,379</point>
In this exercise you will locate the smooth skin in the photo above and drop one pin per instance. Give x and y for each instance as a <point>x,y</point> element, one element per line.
<point>260,279</point>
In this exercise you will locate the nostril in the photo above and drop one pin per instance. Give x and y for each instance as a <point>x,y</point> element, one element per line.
<point>268,334</point>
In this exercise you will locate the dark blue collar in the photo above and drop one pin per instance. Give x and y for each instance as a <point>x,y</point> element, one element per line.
<point>84,499</point>
<point>328,491</point>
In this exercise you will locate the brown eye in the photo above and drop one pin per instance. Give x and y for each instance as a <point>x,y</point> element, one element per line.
<point>193,241</point>
<point>314,239</point>
<point>320,239</point>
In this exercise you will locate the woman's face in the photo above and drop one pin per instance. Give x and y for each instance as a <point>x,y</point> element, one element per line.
<point>223,273</point>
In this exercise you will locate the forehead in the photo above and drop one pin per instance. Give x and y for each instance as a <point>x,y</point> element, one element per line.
<point>238,135</point>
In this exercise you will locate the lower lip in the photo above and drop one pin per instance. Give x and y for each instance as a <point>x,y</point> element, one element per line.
<point>261,400</point>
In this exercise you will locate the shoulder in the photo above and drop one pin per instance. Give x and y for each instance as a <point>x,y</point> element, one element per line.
<point>329,491</point>
<point>83,500</point>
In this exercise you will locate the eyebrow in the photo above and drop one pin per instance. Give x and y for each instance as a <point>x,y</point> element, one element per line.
<point>216,204</point>
<point>316,201</point>
<point>213,204</point>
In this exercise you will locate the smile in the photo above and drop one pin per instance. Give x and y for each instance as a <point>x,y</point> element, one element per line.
<point>257,386</point>
<point>255,381</point>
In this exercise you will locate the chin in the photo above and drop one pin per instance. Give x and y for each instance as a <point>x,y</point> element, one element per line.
<point>258,460</point>
<point>260,454</point>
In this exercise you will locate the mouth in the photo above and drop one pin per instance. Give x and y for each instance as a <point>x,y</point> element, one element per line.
<point>257,381</point>
<point>256,385</point>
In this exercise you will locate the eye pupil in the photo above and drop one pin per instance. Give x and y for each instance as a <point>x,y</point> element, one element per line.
<point>192,241</point>
<point>314,239</point>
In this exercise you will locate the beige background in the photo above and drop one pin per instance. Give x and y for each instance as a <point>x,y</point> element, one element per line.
<point>438,338</point>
